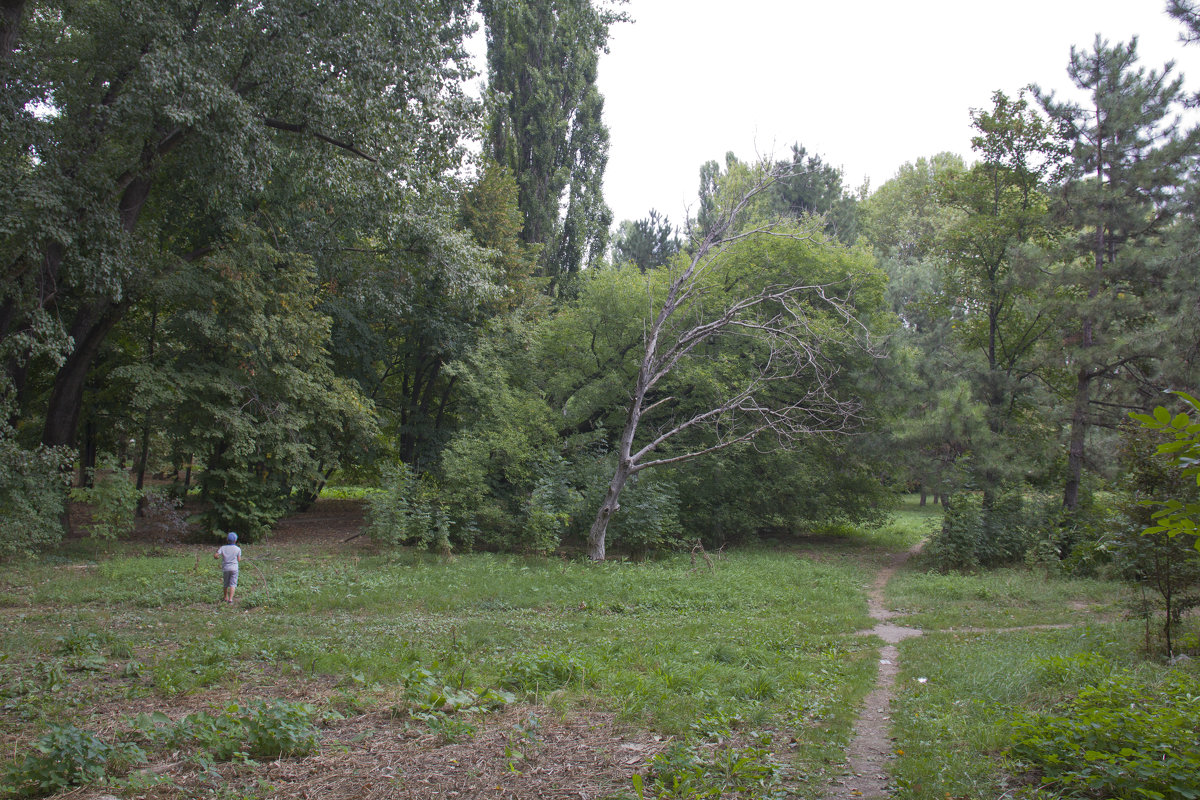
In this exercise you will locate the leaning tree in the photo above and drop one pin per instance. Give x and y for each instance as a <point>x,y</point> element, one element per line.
<point>747,340</point>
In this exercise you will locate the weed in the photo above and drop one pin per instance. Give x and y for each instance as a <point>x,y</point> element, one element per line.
<point>1121,738</point>
<point>265,730</point>
<point>67,756</point>
<point>448,729</point>
<point>684,772</point>
<point>524,744</point>
<point>543,672</point>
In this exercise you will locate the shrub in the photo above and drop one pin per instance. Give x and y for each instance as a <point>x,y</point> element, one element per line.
<point>975,536</point>
<point>33,493</point>
<point>113,498</point>
<point>1119,738</point>
<point>241,499</point>
<point>162,512</point>
<point>407,511</point>
<point>550,505</point>
<point>649,515</point>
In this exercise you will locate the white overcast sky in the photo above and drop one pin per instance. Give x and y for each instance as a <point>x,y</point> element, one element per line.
<point>867,84</point>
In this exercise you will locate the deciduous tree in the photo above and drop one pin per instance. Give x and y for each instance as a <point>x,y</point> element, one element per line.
<point>762,316</point>
<point>547,123</point>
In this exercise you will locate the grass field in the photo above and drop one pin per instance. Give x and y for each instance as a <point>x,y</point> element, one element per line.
<point>741,677</point>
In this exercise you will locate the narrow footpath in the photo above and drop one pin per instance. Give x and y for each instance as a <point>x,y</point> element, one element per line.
<point>866,772</point>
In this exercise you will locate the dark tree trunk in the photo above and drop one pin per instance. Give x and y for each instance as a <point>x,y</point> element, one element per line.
<point>10,24</point>
<point>144,455</point>
<point>1075,452</point>
<point>87,455</point>
<point>92,324</point>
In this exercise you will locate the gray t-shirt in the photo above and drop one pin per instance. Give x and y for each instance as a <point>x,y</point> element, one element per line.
<point>229,553</point>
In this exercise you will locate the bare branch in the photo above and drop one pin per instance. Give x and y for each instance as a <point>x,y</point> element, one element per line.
<point>302,128</point>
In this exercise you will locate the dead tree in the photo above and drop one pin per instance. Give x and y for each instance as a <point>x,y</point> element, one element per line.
<point>789,327</point>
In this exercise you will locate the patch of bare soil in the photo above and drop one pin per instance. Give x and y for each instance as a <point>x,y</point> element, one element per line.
<point>521,752</point>
<point>328,521</point>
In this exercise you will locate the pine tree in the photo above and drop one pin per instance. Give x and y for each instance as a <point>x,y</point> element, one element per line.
<point>1129,157</point>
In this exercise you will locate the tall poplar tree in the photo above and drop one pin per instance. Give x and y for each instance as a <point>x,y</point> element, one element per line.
<point>547,123</point>
<point>1129,157</point>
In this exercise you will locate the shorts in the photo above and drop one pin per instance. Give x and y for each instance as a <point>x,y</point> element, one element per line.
<point>230,578</point>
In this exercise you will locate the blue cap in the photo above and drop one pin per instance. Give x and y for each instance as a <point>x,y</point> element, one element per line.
<point>231,538</point>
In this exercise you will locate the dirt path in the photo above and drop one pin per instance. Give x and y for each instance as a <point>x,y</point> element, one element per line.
<point>866,774</point>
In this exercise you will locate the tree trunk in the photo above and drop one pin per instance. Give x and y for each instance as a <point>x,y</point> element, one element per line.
<point>92,324</point>
<point>1079,425</point>
<point>87,455</point>
<point>609,507</point>
<point>10,23</point>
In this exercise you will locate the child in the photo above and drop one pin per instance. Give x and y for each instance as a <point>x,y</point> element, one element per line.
<point>230,555</point>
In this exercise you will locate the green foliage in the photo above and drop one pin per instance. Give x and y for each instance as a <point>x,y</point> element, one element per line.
<point>546,123</point>
<point>1177,514</point>
<point>543,672</point>
<point>551,504</point>
<point>973,536</point>
<point>407,510</point>
<point>685,772</point>
<point>113,498</point>
<point>33,493</point>
<point>1119,738</point>
<point>647,243</point>
<point>278,729</point>
<point>449,730</point>
<point>67,756</point>
<point>649,515</point>
<point>250,389</point>
<point>1160,557</point>
<point>265,730</point>
<point>737,496</point>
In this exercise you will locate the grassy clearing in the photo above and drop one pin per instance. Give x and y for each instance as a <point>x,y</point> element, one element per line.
<point>757,649</point>
<point>741,678</point>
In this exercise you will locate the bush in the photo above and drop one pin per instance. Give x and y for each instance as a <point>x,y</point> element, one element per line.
<point>649,515</point>
<point>240,499</point>
<point>1119,738</point>
<point>162,512</point>
<point>33,493</point>
<point>974,536</point>
<point>113,498</point>
<point>407,511</point>
<point>68,756</point>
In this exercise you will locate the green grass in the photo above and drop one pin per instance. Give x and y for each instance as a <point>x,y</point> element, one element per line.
<point>762,642</point>
<point>761,647</point>
<point>953,727</point>
<point>1001,598</point>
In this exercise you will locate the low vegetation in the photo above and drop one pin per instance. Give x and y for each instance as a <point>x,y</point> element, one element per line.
<point>738,675</point>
